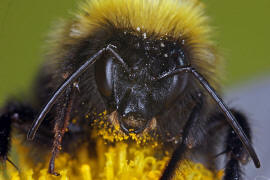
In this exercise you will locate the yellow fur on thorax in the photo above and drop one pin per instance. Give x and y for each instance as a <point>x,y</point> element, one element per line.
<point>162,17</point>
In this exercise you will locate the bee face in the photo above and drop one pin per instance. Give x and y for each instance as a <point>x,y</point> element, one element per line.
<point>133,91</point>
<point>150,65</point>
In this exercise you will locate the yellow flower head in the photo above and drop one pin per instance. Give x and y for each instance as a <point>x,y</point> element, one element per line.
<point>113,161</point>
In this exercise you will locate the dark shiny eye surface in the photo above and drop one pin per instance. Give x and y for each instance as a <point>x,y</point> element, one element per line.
<point>178,85</point>
<point>179,81</point>
<point>104,75</point>
<point>168,89</point>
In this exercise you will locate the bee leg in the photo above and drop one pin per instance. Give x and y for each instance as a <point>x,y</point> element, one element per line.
<point>235,150</point>
<point>5,136</point>
<point>64,108</point>
<point>187,143</point>
<point>12,115</point>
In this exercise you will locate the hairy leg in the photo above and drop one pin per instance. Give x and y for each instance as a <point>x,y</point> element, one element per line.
<point>13,113</point>
<point>189,141</point>
<point>63,108</point>
<point>236,152</point>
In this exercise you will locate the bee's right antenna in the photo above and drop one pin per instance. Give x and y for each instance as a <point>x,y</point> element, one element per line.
<point>70,80</point>
<point>230,117</point>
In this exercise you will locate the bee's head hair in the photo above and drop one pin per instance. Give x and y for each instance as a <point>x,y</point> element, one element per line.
<point>177,19</point>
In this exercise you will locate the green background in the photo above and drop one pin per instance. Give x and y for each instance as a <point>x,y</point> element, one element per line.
<point>242,27</point>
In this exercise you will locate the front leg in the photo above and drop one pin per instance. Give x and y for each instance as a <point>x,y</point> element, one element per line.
<point>63,110</point>
<point>236,152</point>
<point>5,136</point>
<point>188,142</point>
<point>14,114</point>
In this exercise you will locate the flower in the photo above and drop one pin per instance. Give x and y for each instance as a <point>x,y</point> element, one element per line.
<point>119,161</point>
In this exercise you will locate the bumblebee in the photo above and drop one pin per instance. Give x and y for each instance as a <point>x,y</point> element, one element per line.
<point>151,64</point>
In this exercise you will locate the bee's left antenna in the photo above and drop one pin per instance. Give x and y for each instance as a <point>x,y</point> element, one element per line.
<point>229,117</point>
<point>228,114</point>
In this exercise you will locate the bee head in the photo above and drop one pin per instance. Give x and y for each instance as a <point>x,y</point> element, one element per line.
<point>133,89</point>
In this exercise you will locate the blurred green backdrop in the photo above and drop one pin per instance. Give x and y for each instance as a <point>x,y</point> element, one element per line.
<point>242,27</point>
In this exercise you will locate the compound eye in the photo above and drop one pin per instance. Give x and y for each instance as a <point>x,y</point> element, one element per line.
<point>104,76</point>
<point>177,82</point>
